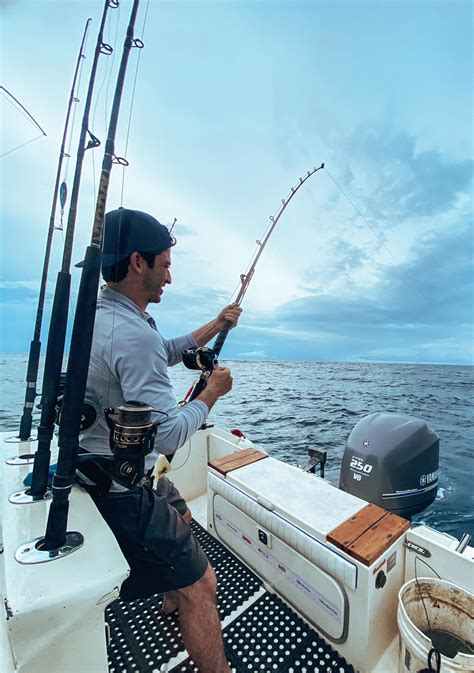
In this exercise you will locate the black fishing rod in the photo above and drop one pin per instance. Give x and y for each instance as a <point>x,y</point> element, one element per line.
<point>35,345</point>
<point>59,314</point>
<point>208,359</point>
<point>81,342</point>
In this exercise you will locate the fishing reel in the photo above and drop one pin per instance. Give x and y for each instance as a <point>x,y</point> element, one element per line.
<point>202,358</point>
<point>88,412</point>
<point>132,437</point>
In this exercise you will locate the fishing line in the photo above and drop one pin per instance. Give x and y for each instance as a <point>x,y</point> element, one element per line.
<point>21,108</point>
<point>185,460</point>
<point>247,268</point>
<point>22,145</point>
<point>67,153</point>
<point>74,111</point>
<point>106,107</point>
<point>24,112</point>
<point>379,238</point>
<point>132,101</point>
<point>238,285</point>
<point>106,79</point>
<point>138,43</point>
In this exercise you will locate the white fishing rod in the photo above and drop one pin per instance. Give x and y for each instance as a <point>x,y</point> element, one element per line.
<point>205,359</point>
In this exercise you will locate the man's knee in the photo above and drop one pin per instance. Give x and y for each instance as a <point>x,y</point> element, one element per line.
<point>203,589</point>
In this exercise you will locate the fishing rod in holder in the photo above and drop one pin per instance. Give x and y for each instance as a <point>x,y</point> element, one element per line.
<point>35,345</point>
<point>52,382</point>
<point>205,359</point>
<point>56,535</point>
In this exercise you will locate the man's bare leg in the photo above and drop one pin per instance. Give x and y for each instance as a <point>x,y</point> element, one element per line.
<point>170,602</point>
<point>200,624</point>
<point>170,598</point>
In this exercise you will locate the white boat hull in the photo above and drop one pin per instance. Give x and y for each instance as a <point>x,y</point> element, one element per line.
<point>54,612</point>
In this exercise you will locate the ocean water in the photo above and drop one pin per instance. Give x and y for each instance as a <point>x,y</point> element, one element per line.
<point>288,406</point>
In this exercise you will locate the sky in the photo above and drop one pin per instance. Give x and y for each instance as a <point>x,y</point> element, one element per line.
<point>232,103</point>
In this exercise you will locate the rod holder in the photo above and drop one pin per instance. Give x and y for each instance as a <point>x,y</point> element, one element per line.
<point>25,497</point>
<point>22,459</point>
<point>31,552</point>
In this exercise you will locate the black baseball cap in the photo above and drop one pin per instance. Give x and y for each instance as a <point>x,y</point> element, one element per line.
<point>127,231</point>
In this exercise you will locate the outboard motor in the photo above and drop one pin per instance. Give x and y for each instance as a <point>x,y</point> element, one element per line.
<point>392,460</point>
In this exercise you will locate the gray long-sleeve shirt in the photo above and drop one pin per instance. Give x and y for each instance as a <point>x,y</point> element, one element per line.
<point>129,361</point>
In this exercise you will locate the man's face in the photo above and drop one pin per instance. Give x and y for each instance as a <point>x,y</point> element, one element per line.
<point>155,279</point>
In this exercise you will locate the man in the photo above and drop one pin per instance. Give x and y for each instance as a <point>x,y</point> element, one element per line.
<point>129,361</point>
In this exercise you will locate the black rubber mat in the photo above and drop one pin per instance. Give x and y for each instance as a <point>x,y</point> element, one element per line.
<point>267,638</point>
<point>270,638</point>
<point>143,637</point>
<point>235,582</point>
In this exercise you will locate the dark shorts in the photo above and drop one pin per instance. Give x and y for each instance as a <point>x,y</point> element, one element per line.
<point>160,547</point>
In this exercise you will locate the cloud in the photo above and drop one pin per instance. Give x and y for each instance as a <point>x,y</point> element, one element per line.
<point>419,310</point>
<point>24,291</point>
<point>19,284</point>
<point>361,304</point>
<point>260,355</point>
<point>180,230</point>
<point>410,182</point>
<point>17,293</point>
<point>184,307</point>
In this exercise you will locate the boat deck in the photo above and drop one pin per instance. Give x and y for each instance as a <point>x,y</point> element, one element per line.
<point>261,633</point>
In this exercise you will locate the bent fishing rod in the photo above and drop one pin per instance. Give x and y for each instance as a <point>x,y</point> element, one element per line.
<point>28,115</point>
<point>205,359</point>
<point>35,345</point>
<point>81,342</point>
<point>59,314</point>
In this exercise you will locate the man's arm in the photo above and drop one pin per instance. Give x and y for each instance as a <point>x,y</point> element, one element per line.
<point>139,362</point>
<point>229,314</point>
<point>202,335</point>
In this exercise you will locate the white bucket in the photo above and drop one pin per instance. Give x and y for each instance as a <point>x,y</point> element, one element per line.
<point>449,608</point>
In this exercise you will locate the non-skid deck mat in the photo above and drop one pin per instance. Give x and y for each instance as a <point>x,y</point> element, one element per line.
<point>143,637</point>
<point>235,582</point>
<point>270,638</point>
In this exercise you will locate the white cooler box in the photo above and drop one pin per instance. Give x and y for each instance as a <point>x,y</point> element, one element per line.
<point>276,518</point>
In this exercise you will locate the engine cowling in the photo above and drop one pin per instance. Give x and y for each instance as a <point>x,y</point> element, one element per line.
<point>392,460</point>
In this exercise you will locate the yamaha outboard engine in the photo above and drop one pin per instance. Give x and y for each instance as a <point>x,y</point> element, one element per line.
<point>392,461</point>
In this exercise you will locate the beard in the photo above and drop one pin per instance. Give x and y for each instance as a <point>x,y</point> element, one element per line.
<point>153,289</point>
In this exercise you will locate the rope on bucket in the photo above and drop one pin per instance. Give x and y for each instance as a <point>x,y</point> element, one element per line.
<point>430,668</point>
<point>433,651</point>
